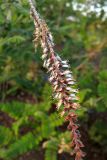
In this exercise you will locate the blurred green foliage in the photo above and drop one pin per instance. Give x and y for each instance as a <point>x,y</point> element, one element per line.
<point>39,125</point>
<point>80,34</point>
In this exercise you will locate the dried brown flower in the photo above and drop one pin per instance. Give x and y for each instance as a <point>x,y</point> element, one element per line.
<point>61,79</point>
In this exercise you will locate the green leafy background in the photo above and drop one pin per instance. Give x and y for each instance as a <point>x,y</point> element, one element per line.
<point>30,126</point>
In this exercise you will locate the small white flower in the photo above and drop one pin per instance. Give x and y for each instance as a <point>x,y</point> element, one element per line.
<point>75,105</point>
<point>55,88</point>
<point>42,44</point>
<point>51,79</point>
<point>68,88</point>
<point>69,76</point>
<point>65,66</point>
<point>50,37</point>
<point>67,72</point>
<point>56,74</point>
<point>52,73</point>
<point>55,83</point>
<point>75,98</point>
<point>71,82</point>
<point>59,104</point>
<point>50,69</point>
<point>56,95</point>
<point>58,58</point>
<point>64,62</point>
<point>74,90</point>
<point>44,64</point>
<point>57,62</point>
<point>62,113</point>
<point>45,50</point>
<point>60,95</point>
<point>72,95</point>
<point>69,79</point>
<point>44,56</point>
<point>59,90</point>
<point>49,60</point>
<point>47,64</point>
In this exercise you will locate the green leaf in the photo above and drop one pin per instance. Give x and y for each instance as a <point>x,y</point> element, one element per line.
<point>82,94</point>
<point>50,154</point>
<point>5,136</point>
<point>22,145</point>
<point>102,90</point>
<point>98,132</point>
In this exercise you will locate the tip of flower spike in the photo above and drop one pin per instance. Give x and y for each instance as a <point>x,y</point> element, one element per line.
<point>79,155</point>
<point>79,144</point>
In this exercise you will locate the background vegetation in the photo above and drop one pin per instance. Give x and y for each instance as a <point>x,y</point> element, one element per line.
<point>30,129</point>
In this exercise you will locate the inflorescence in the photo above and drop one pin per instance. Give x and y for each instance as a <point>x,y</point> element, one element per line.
<point>61,79</point>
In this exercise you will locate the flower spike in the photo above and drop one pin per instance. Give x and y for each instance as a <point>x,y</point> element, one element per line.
<point>61,79</point>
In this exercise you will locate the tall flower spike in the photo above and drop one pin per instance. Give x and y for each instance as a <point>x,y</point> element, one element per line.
<point>61,79</point>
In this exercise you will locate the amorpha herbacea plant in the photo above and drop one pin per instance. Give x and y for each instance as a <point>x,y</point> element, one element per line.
<point>61,79</point>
